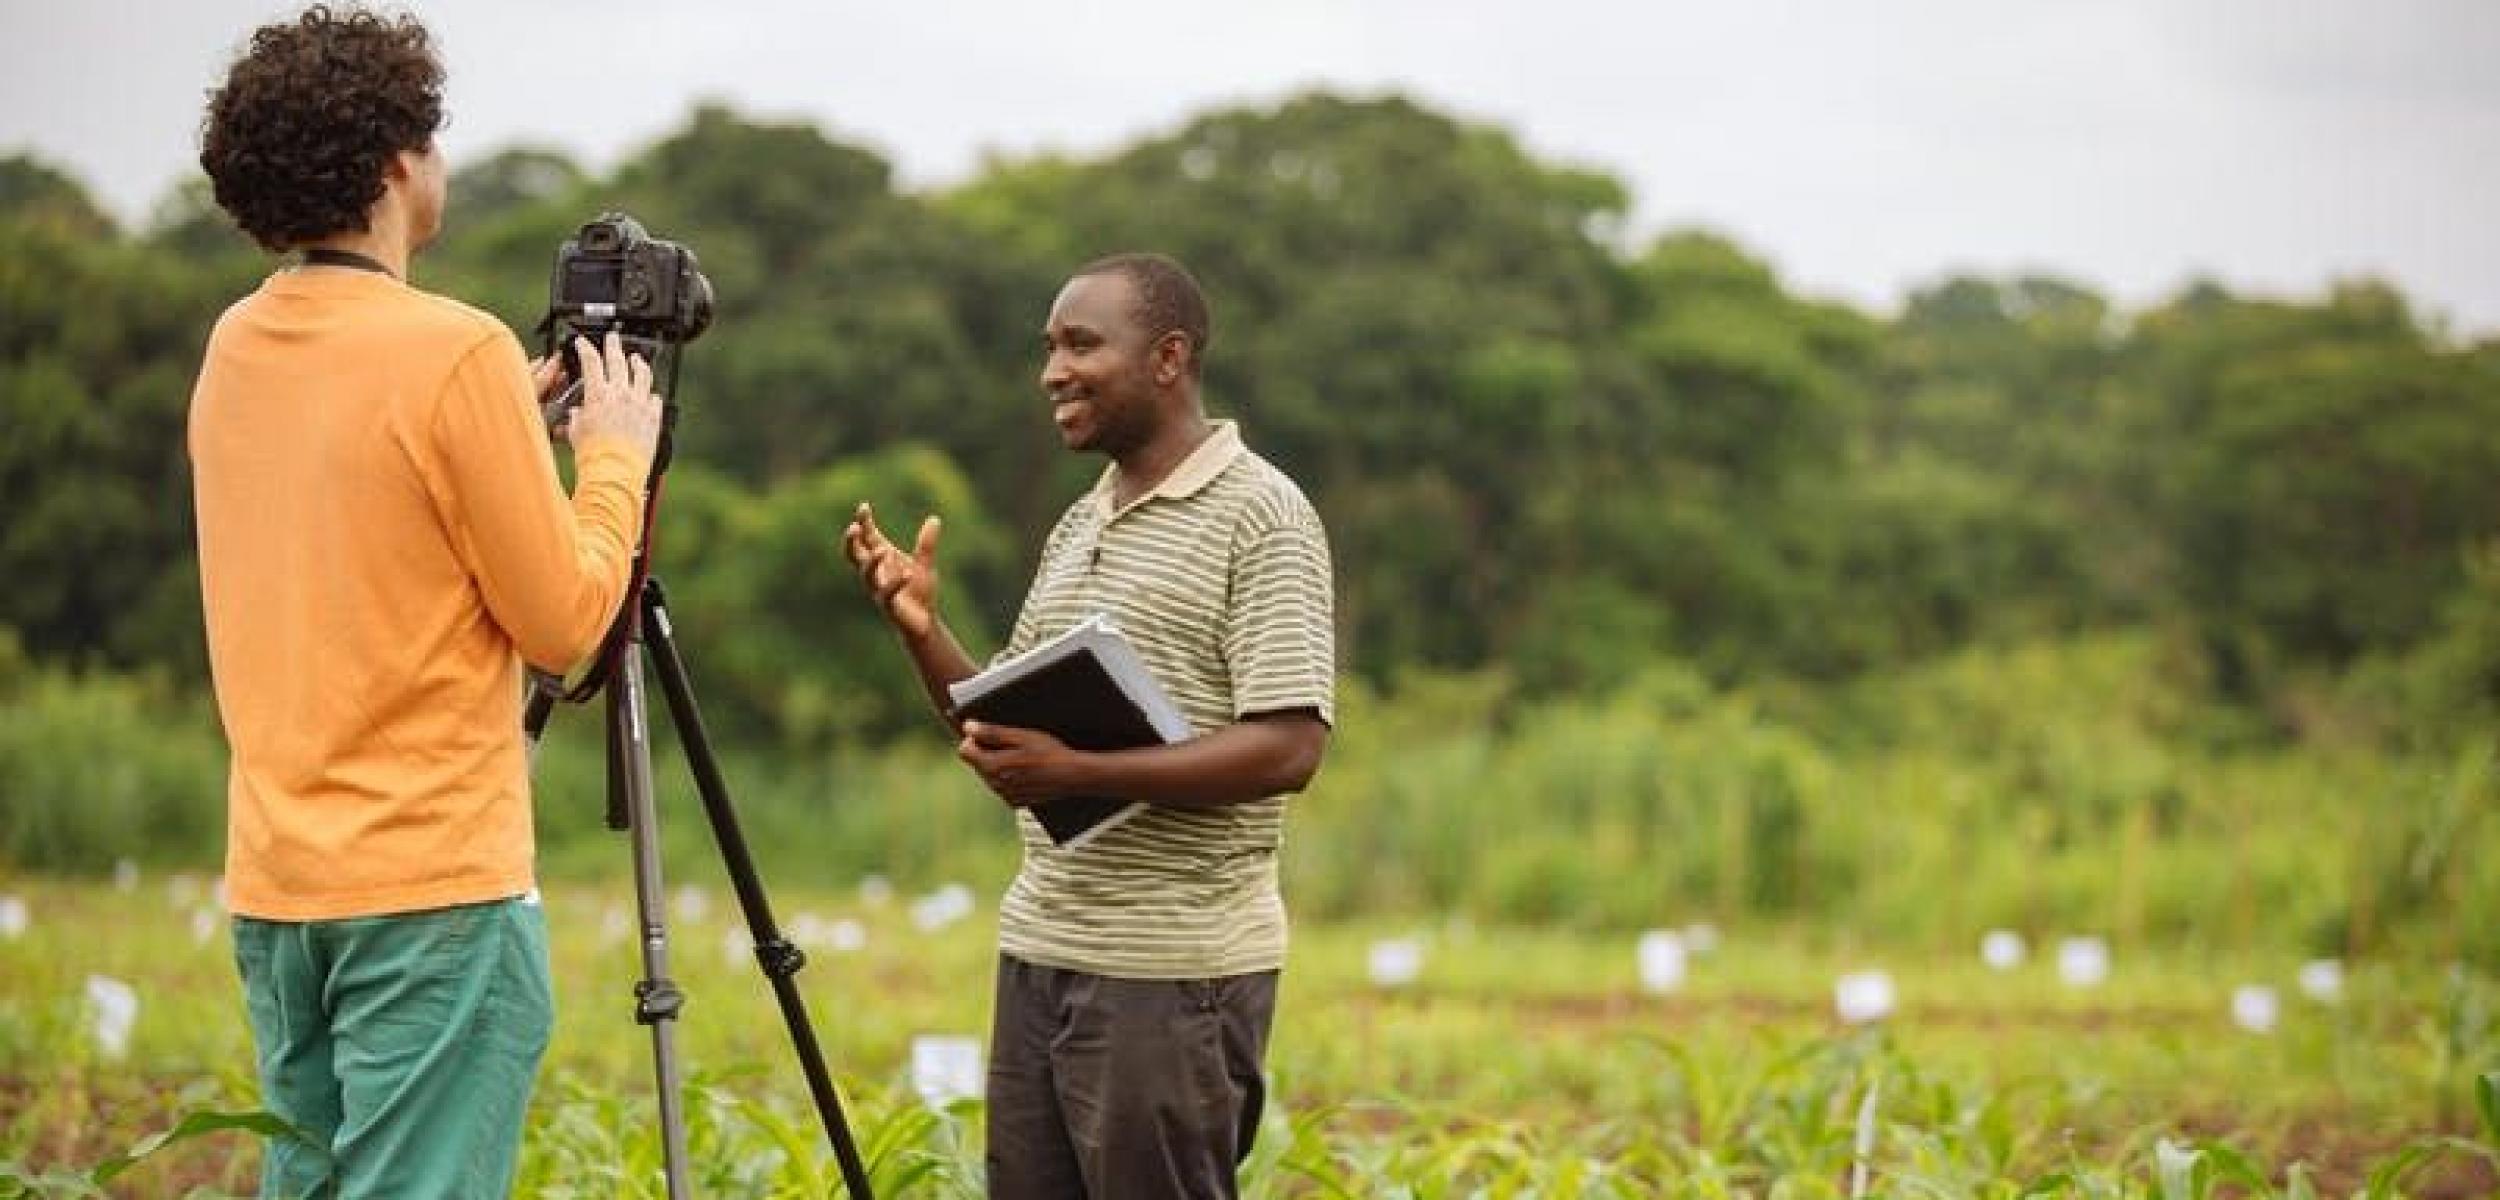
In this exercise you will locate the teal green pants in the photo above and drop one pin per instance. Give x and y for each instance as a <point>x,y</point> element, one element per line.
<point>402,1047</point>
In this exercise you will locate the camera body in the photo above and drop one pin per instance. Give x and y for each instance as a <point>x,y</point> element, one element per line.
<point>614,275</point>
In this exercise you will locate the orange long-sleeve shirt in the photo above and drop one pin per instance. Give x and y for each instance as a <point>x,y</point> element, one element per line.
<point>383,539</point>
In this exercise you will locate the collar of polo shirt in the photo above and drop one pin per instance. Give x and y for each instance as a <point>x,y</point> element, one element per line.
<point>1222,446</point>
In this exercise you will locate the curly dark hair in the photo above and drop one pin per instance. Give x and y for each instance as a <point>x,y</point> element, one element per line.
<point>1168,298</point>
<point>297,139</point>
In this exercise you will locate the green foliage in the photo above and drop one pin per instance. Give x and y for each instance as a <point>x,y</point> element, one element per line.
<point>2315,469</point>
<point>2053,788</point>
<point>2444,687</point>
<point>2487,1102</point>
<point>98,338</point>
<point>587,1139</point>
<point>788,645</point>
<point>1541,450</point>
<point>101,768</point>
<point>1522,1059</point>
<point>197,1124</point>
<point>1662,588</point>
<point>36,194</point>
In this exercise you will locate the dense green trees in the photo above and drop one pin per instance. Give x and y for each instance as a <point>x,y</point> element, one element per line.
<point>95,554</point>
<point>1544,451</point>
<point>2009,607</point>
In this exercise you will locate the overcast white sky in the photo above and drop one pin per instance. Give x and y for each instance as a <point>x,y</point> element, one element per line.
<point>1864,146</point>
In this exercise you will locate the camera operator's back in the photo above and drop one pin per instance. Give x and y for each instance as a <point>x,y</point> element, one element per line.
<point>382,539</point>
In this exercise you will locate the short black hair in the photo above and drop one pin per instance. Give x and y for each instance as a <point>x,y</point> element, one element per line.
<point>296,140</point>
<point>1168,298</point>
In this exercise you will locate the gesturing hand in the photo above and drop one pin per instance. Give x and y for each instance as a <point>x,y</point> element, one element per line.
<point>904,586</point>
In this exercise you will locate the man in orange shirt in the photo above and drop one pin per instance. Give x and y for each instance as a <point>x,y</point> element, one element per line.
<point>383,542</point>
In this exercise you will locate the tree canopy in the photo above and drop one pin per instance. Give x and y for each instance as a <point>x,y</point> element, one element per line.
<point>1544,450</point>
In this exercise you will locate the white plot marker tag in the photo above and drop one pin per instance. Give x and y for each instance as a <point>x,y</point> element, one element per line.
<point>2322,980</point>
<point>817,933</point>
<point>2002,949</point>
<point>809,931</point>
<point>2255,1008</point>
<point>1396,962</point>
<point>945,1068</point>
<point>112,1008</point>
<point>1663,958</point>
<point>13,918</point>
<point>2083,961</point>
<point>941,908</point>
<point>692,903</point>
<point>1863,996</point>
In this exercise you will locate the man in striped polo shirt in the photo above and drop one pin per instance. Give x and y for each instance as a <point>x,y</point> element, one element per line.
<point>1137,972</point>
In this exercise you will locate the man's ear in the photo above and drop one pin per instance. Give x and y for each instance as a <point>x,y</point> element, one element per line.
<point>1171,358</point>
<point>402,166</point>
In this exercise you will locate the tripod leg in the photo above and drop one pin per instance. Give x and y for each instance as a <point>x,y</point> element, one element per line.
<point>656,998</point>
<point>779,959</point>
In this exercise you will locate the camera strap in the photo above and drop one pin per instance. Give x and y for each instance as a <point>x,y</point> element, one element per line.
<point>323,256</point>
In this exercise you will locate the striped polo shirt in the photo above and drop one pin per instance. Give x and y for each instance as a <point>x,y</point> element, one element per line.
<point>1220,578</point>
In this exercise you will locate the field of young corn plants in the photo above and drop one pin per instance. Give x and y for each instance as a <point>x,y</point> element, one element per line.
<point>1411,1061</point>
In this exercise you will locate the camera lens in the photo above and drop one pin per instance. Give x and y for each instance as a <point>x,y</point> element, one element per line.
<point>697,293</point>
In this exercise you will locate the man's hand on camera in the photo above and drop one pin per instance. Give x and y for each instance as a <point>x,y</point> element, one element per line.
<point>1024,767</point>
<point>903,585</point>
<point>617,401</point>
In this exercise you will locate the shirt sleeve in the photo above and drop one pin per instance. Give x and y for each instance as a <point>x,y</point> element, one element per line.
<point>551,570</point>
<point>1280,622</point>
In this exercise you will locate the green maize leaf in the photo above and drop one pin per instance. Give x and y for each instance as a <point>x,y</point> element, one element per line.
<point>16,1183</point>
<point>193,1125</point>
<point>2048,1185</point>
<point>2387,1180</point>
<point>2229,1164</point>
<point>798,1148</point>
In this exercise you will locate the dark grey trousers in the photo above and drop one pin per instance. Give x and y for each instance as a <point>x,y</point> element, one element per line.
<point>1123,1089</point>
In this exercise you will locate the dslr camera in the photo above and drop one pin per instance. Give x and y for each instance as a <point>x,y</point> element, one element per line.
<point>613,275</point>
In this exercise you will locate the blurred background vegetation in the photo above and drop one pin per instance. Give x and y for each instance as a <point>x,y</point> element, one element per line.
<point>1665,593</point>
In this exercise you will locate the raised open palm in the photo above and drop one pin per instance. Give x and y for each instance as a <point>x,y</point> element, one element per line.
<point>903,585</point>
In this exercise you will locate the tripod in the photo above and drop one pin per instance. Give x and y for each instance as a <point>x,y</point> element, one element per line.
<point>643,623</point>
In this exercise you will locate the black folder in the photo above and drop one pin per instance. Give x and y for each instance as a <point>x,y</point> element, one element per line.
<point>1088,688</point>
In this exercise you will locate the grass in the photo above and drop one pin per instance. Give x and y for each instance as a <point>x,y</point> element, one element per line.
<point>1519,1062</point>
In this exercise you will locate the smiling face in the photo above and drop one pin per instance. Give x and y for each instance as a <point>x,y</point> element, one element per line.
<point>1104,373</point>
